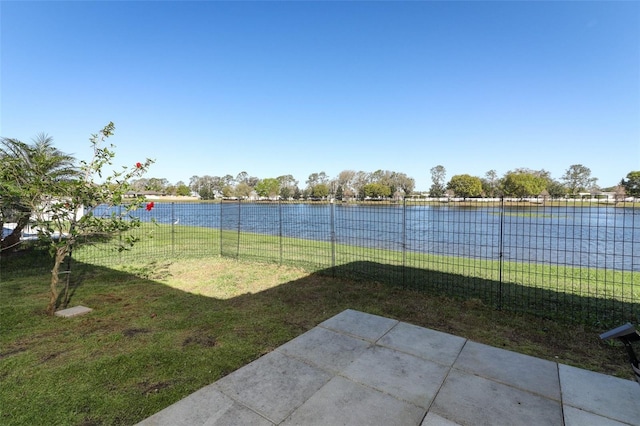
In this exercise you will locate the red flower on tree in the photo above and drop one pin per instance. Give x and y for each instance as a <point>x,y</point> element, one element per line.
<point>149,206</point>
<point>138,165</point>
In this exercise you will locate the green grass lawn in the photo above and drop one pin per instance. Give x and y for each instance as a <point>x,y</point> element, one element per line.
<point>171,315</point>
<point>161,330</point>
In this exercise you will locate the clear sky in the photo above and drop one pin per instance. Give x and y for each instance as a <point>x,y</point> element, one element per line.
<point>275,88</point>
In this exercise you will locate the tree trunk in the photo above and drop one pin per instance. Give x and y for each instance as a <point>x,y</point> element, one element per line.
<point>12,240</point>
<point>65,299</point>
<point>61,253</point>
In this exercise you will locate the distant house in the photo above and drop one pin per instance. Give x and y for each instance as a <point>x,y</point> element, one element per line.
<point>596,194</point>
<point>30,230</point>
<point>133,194</point>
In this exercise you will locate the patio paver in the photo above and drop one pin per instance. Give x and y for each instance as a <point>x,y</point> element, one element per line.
<point>401,375</point>
<point>606,396</point>
<point>273,385</point>
<point>208,406</point>
<point>365,326</point>
<point>325,348</point>
<point>577,417</point>
<point>469,399</point>
<point>343,402</point>
<point>511,368</point>
<point>362,369</point>
<point>424,343</point>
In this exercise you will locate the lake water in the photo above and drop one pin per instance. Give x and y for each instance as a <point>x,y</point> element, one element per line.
<point>601,237</point>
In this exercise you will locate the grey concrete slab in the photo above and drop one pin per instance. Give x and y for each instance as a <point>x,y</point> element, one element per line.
<point>208,406</point>
<point>521,371</point>
<point>343,402</point>
<point>432,419</point>
<point>404,376</point>
<point>424,343</point>
<point>607,396</point>
<point>578,417</point>
<point>469,399</point>
<point>335,374</point>
<point>325,348</point>
<point>73,312</point>
<point>273,385</point>
<point>236,415</point>
<point>366,326</point>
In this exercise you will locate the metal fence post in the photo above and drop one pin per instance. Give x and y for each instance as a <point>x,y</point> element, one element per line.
<point>239,215</point>
<point>501,252</point>
<point>333,236</point>
<point>173,230</point>
<point>404,242</point>
<point>280,227</point>
<point>220,228</point>
<point>120,233</point>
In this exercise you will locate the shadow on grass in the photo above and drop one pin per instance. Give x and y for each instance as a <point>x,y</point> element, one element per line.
<point>31,259</point>
<point>34,259</point>
<point>546,303</point>
<point>557,305</point>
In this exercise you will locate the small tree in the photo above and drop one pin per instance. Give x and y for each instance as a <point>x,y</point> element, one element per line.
<point>620,192</point>
<point>438,176</point>
<point>320,190</point>
<point>556,189</point>
<point>242,190</point>
<point>24,168</point>
<point>66,219</point>
<point>269,187</point>
<point>578,178</point>
<point>491,184</point>
<point>465,186</point>
<point>523,184</point>
<point>632,184</point>
<point>183,190</point>
<point>404,183</point>
<point>377,190</point>
<point>288,186</point>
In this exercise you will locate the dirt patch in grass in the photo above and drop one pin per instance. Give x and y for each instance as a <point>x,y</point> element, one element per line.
<point>131,332</point>
<point>10,352</point>
<point>154,387</point>
<point>51,356</point>
<point>206,341</point>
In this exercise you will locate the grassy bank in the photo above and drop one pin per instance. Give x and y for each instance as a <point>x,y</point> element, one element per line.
<point>568,293</point>
<point>161,330</point>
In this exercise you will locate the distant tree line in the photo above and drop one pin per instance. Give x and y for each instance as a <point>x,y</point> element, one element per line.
<point>159,186</point>
<point>386,184</point>
<point>349,184</point>
<point>523,182</point>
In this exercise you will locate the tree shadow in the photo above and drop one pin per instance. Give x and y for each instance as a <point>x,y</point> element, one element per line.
<point>547,303</point>
<point>31,259</point>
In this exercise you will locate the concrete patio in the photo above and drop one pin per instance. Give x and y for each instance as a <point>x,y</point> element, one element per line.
<point>362,369</point>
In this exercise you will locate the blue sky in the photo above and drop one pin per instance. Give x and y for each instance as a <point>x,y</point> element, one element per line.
<point>275,88</point>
